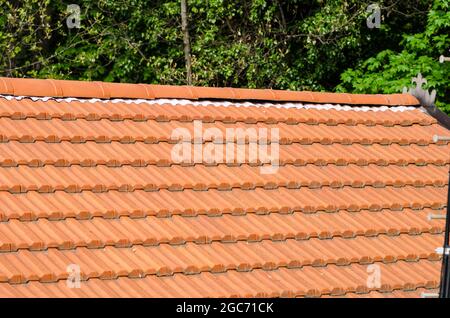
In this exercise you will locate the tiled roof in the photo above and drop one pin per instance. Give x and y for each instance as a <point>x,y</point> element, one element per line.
<point>87,178</point>
<point>58,88</point>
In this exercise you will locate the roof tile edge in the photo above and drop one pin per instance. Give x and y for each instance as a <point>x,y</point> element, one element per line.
<point>105,90</point>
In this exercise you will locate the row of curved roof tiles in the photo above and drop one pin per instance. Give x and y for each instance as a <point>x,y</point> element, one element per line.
<point>103,90</point>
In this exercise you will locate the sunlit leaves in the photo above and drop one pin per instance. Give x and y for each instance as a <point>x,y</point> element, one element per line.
<point>389,71</point>
<point>296,44</point>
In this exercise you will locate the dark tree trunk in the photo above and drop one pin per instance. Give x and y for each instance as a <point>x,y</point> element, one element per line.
<point>186,41</point>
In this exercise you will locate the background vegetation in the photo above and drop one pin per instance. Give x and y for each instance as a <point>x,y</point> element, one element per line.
<point>297,44</point>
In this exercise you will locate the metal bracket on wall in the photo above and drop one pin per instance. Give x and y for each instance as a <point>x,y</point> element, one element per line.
<point>437,138</point>
<point>432,216</point>
<point>440,250</point>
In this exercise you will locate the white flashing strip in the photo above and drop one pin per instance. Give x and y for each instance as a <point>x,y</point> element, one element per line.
<point>181,102</point>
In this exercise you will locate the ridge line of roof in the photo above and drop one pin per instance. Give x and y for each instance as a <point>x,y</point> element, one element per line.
<point>222,103</point>
<point>105,90</point>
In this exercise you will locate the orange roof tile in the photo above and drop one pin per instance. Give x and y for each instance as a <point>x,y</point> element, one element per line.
<point>84,89</point>
<point>93,183</point>
<point>308,281</point>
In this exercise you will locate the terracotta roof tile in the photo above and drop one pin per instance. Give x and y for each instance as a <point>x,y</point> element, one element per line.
<point>193,259</point>
<point>119,111</point>
<point>75,202</point>
<point>68,232</point>
<point>413,293</point>
<point>93,183</point>
<point>130,178</point>
<point>304,282</point>
<point>80,131</point>
<point>144,154</point>
<point>64,88</point>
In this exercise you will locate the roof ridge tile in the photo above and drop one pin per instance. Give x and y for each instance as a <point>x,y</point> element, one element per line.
<point>85,89</point>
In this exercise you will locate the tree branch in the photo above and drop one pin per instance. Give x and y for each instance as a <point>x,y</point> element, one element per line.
<point>186,41</point>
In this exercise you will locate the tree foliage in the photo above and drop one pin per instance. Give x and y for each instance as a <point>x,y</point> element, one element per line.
<point>296,44</point>
<point>388,71</point>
